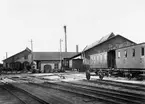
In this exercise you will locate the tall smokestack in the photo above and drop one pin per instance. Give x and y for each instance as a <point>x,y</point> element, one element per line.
<point>77,48</point>
<point>65,39</point>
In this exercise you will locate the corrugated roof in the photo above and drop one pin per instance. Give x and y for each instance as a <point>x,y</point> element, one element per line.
<point>52,55</point>
<point>99,41</point>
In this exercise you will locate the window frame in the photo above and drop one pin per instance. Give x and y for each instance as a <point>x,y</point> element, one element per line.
<point>118,54</point>
<point>133,52</point>
<point>56,66</point>
<point>142,51</point>
<point>125,53</point>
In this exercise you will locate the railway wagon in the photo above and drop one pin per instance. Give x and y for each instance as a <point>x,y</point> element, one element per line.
<point>131,60</point>
<point>125,62</point>
<point>76,64</point>
<point>72,64</point>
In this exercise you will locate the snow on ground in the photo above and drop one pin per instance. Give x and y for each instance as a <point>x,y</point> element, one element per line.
<point>75,76</point>
<point>5,80</point>
<point>62,76</point>
<point>67,76</point>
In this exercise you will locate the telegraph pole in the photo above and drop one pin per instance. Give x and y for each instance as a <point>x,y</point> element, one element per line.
<point>60,52</point>
<point>32,50</point>
<point>65,39</point>
<point>6,58</point>
<point>6,55</point>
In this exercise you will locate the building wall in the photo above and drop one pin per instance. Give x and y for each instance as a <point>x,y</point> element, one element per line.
<point>22,57</point>
<point>116,42</point>
<point>27,58</point>
<point>52,63</point>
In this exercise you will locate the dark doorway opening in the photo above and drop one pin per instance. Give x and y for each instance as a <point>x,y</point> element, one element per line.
<point>47,68</point>
<point>111,59</point>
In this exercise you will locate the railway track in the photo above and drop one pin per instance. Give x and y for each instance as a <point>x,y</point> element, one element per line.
<point>132,86</point>
<point>126,93</point>
<point>23,96</point>
<point>51,98</point>
<point>105,95</point>
<point>111,96</point>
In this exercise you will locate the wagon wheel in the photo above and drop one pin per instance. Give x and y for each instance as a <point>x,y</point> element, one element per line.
<point>101,76</point>
<point>88,75</point>
<point>130,76</point>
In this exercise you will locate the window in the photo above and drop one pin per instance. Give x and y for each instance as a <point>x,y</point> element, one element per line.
<point>56,65</point>
<point>17,58</point>
<point>125,52</point>
<point>118,54</point>
<point>133,52</point>
<point>26,57</point>
<point>142,51</point>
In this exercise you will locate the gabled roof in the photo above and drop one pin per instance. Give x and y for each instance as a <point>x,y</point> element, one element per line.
<point>99,41</point>
<point>78,54</point>
<point>11,57</point>
<point>104,39</point>
<point>52,55</point>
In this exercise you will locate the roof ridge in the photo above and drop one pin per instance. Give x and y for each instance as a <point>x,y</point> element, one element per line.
<point>104,38</point>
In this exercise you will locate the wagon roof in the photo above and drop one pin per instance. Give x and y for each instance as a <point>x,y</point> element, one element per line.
<point>143,43</point>
<point>52,55</point>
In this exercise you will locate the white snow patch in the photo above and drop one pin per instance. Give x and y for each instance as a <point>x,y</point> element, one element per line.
<point>51,77</point>
<point>7,80</point>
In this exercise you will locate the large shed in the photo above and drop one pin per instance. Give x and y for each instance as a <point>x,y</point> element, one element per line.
<point>107,43</point>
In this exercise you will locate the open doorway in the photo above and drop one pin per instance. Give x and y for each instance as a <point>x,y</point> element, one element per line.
<point>47,68</point>
<point>111,59</point>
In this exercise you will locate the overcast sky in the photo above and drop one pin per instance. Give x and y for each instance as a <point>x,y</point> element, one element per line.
<point>86,20</point>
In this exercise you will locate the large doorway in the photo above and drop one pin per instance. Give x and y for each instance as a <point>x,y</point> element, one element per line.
<point>111,59</point>
<point>26,65</point>
<point>47,68</point>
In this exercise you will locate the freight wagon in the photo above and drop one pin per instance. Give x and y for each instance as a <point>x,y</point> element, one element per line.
<point>73,64</point>
<point>76,64</point>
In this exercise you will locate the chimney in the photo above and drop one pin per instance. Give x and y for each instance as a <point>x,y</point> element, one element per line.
<point>65,39</point>
<point>77,49</point>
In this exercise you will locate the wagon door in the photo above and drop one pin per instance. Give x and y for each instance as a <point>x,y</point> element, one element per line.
<point>111,59</point>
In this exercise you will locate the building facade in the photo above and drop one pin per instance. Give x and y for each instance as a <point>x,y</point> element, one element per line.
<point>44,61</point>
<point>50,61</point>
<point>19,61</point>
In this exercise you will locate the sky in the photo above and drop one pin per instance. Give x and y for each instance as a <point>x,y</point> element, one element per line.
<point>86,22</point>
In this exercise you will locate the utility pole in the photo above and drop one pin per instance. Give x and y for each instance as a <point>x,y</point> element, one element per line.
<point>6,65</point>
<point>32,51</point>
<point>65,39</point>
<point>6,55</point>
<point>60,52</point>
